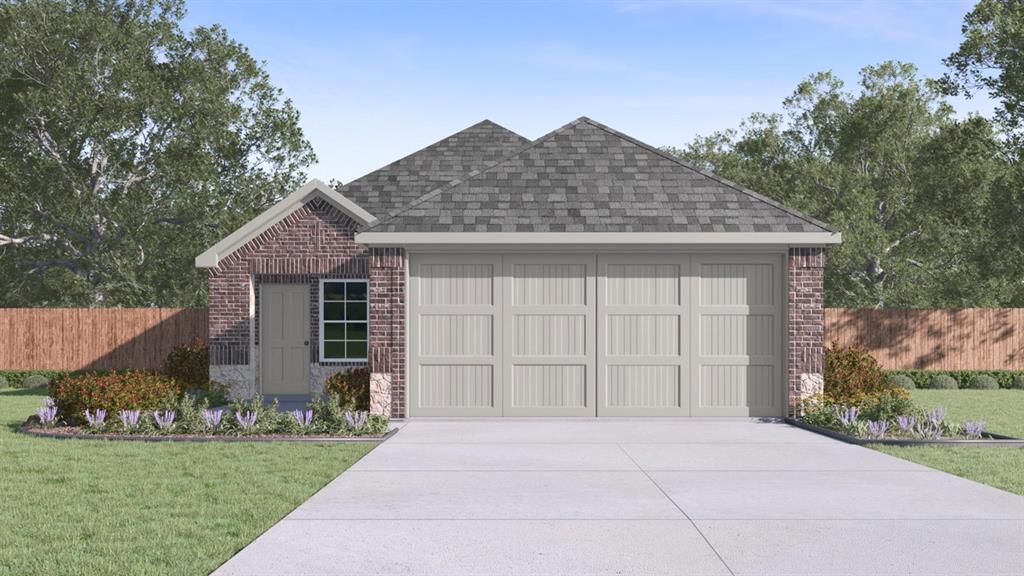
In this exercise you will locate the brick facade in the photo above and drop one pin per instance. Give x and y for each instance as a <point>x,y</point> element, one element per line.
<point>315,241</point>
<point>805,365</point>
<point>387,325</point>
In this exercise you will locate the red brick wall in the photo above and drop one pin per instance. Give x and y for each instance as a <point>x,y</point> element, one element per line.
<point>806,318</point>
<point>314,241</point>
<point>387,321</point>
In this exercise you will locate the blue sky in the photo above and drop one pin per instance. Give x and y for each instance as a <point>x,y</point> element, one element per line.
<point>376,81</point>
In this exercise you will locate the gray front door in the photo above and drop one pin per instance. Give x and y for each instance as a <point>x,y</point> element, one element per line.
<point>284,339</point>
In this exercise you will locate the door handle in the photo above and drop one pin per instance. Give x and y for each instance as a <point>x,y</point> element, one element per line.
<point>305,343</point>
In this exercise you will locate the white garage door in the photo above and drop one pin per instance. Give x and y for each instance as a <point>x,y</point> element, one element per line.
<point>585,335</point>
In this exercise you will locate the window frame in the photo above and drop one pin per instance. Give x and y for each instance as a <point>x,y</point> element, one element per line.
<point>322,321</point>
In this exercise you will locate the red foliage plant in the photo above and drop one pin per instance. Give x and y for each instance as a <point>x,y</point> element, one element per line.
<point>111,391</point>
<point>853,372</point>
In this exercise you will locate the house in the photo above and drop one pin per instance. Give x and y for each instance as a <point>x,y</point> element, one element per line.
<point>584,273</point>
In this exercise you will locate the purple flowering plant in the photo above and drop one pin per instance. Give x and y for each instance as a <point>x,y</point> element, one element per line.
<point>96,419</point>
<point>246,420</point>
<point>212,418</point>
<point>847,415</point>
<point>129,419</point>
<point>47,412</point>
<point>356,420</point>
<point>906,423</point>
<point>164,420</point>
<point>877,428</point>
<point>974,430</point>
<point>303,418</point>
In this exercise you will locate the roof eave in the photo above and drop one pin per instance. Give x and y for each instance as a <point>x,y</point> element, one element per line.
<point>598,238</point>
<point>271,216</point>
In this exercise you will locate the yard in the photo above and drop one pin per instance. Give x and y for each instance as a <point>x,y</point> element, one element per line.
<point>1003,413</point>
<point>104,507</point>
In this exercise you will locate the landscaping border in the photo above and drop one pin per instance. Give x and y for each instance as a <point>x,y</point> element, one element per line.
<point>43,433</point>
<point>988,440</point>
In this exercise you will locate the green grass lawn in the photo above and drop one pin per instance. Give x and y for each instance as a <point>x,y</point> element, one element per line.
<point>108,507</point>
<point>1001,410</point>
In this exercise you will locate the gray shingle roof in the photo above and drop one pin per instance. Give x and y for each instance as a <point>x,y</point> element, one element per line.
<point>586,177</point>
<point>395,185</point>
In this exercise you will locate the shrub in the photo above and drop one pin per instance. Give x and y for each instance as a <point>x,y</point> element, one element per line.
<point>1018,382</point>
<point>113,392</point>
<point>3,382</point>
<point>963,378</point>
<point>942,382</point>
<point>35,381</point>
<point>16,378</point>
<point>253,416</point>
<point>885,405</point>
<point>189,364</point>
<point>983,382</point>
<point>902,381</point>
<point>852,371</point>
<point>352,388</point>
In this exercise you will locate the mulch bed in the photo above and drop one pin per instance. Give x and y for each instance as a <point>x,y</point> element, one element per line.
<point>988,439</point>
<point>32,428</point>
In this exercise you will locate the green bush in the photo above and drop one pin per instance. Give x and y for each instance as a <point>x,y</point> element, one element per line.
<point>943,382</point>
<point>3,381</point>
<point>1018,382</point>
<point>36,381</point>
<point>902,381</point>
<point>983,382</point>
<point>963,378</point>
<point>16,378</point>
<point>352,388</point>
<point>112,391</point>
<point>850,372</point>
<point>189,364</point>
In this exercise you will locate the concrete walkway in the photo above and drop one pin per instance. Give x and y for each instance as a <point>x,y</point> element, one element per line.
<point>639,496</point>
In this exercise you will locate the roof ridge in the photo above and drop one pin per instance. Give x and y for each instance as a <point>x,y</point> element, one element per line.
<point>430,195</point>
<point>708,174</point>
<point>431,145</point>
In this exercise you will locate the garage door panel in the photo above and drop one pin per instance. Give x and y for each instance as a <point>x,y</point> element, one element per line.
<point>738,335</point>
<point>548,386</point>
<point>444,283</point>
<point>454,340</point>
<point>739,390</point>
<point>739,283</point>
<point>549,284</point>
<point>650,284</point>
<point>458,386</point>
<point>642,335</point>
<point>457,335</point>
<point>643,386</point>
<point>549,325</point>
<point>550,335</point>
<point>737,369</point>
<point>643,321</point>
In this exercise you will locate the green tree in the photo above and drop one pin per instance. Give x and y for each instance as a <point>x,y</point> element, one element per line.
<point>908,185</point>
<point>127,146</point>
<point>991,59</point>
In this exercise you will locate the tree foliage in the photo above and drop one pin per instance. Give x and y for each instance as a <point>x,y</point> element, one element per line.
<point>127,146</point>
<point>991,59</point>
<point>914,191</point>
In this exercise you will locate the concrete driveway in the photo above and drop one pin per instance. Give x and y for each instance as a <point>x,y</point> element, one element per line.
<point>638,496</point>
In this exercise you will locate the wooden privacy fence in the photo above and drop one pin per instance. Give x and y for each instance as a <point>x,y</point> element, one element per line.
<point>965,339</point>
<point>94,338</point>
<point>107,338</point>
